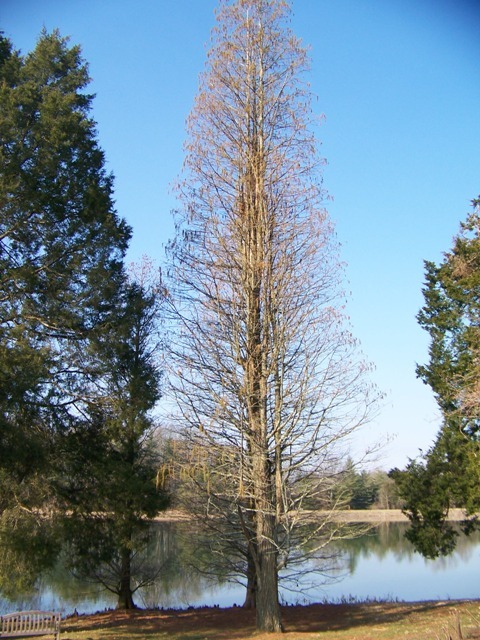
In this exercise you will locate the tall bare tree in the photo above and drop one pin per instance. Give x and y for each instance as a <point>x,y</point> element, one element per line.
<point>265,373</point>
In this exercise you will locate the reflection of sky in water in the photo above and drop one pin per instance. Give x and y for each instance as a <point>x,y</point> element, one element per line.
<point>384,567</point>
<point>48,599</point>
<point>410,579</point>
<point>227,596</point>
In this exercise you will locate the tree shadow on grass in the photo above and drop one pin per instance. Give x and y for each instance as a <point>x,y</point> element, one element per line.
<point>236,623</point>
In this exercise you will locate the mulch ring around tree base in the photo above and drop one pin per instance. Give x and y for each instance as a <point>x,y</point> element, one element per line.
<point>365,621</point>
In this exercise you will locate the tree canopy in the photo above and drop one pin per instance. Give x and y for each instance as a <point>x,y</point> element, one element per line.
<point>61,241</point>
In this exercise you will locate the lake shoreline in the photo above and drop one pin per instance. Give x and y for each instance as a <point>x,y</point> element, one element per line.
<point>374,516</point>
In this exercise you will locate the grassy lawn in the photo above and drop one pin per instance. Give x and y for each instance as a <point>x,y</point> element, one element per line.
<point>370,621</point>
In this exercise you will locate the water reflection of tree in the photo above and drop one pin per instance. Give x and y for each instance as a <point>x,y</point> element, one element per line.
<point>379,541</point>
<point>194,568</point>
<point>219,556</point>
<point>77,589</point>
<point>389,538</point>
<point>464,550</point>
<point>178,583</point>
<point>182,569</point>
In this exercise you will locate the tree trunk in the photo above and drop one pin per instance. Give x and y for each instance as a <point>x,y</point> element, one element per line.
<point>251,594</point>
<point>268,607</point>
<point>125,594</point>
<point>266,550</point>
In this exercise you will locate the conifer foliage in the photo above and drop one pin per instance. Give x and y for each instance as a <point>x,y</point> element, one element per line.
<point>108,468</point>
<point>447,475</point>
<point>78,370</point>
<point>61,242</point>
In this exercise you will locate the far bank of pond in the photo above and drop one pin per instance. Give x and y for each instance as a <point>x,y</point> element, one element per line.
<point>380,565</point>
<point>374,516</point>
<point>385,515</point>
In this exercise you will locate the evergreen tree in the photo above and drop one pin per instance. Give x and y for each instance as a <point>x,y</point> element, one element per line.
<point>357,489</point>
<point>61,260</point>
<point>109,462</point>
<point>448,474</point>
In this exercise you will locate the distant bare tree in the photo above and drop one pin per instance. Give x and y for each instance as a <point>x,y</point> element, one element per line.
<point>263,370</point>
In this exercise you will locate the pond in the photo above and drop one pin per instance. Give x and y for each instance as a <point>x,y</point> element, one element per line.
<point>381,565</point>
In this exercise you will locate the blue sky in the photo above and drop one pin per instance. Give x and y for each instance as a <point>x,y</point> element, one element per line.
<point>399,84</point>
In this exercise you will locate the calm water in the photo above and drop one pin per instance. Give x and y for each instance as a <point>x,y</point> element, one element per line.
<point>381,565</point>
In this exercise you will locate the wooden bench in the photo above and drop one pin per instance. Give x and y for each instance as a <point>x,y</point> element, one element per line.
<point>23,624</point>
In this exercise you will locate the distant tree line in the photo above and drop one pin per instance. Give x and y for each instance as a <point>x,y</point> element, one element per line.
<point>350,487</point>
<point>369,489</point>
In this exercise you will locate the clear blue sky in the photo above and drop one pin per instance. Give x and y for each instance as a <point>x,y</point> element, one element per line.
<point>399,84</point>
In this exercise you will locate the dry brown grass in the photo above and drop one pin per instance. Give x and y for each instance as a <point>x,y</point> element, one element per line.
<point>368,621</point>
